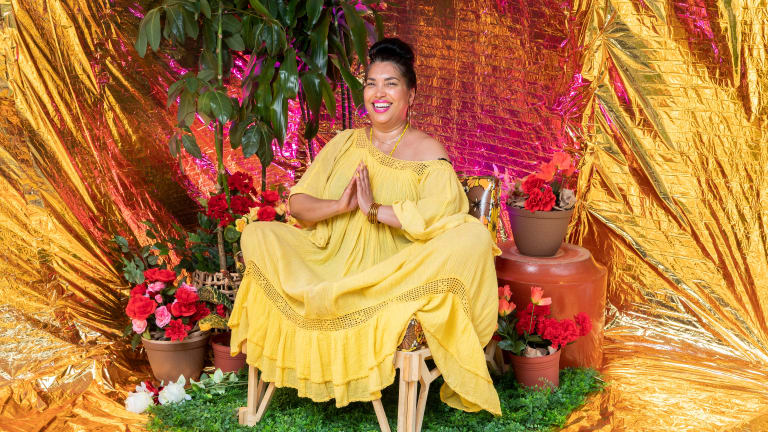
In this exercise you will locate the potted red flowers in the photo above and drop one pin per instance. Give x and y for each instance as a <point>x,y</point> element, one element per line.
<point>164,317</point>
<point>541,206</point>
<point>535,339</point>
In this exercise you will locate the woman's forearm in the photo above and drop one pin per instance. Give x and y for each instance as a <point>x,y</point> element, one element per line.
<point>310,210</point>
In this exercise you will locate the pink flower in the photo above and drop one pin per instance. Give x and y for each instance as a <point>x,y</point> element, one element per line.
<point>536,293</point>
<point>505,307</point>
<point>155,288</point>
<point>162,316</point>
<point>561,159</point>
<point>505,292</point>
<point>139,325</point>
<point>159,299</point>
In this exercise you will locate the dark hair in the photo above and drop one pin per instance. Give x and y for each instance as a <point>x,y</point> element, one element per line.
<point>398,52</point>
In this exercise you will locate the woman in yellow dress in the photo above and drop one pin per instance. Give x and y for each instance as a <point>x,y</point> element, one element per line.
<point>387,237</point>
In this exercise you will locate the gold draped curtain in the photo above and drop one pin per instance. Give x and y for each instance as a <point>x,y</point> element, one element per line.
<point>665,101</point>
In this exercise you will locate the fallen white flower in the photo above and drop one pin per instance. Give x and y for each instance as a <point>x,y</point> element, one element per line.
<point>174,392</point>
<point>138,402</point>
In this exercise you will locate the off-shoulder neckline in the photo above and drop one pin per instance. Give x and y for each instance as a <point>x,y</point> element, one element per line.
<point>362,134</point>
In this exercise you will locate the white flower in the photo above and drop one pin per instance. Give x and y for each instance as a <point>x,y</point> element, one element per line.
<point>173,392</point>
<point>138,402</point>
<point>218,376</point>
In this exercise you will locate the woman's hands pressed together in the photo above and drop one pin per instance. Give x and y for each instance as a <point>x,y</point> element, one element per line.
<point>363,188</point>
<point>348,200</point>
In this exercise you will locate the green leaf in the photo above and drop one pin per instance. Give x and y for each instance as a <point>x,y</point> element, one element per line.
<point>263,94</point>
<point>174,90</point>
<point>152,260</point>
<point>220,106</point>
<point>314,9</point>
<point>206,75</point>
<point>186,113</point>
<point>235,42</point>
<point>214,295</point>
<point>231,234</point>
<point>278,113</point>
<point>328,97</point>
<point>213,321</point>
<point>310,82</point>
<point>218,376</point>
<point>174,23</point>
<point>128,329</point>
<point>289,74</point>
<point>154,30</point>
<point>355,86</point>
<point>231,25</point>
<point>379,25</point>
<point>190,145</point>
<point>311,128</point>
<point>205,8</point>
<point>122,242</point>
<point>358,33</point>
<point>134,272</point>
<point>258,7</point>
<point>252,140</point>
<point>318,44</point>
<point>135,340</point>
<point>236,132</point>
<point>190,23</point>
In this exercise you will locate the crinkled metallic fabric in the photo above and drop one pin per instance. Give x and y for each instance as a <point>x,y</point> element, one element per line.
<point>664,100</point>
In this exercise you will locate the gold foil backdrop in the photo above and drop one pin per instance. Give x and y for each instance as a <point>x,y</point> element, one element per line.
<point>664,100</point>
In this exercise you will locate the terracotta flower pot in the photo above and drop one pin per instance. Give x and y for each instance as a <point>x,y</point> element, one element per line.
<point>540,233</point>
<point>221,354</point>
<point>537,371</point>
<point>169,360</point>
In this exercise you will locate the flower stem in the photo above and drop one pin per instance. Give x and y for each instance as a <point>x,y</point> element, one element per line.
<point>533,307</point>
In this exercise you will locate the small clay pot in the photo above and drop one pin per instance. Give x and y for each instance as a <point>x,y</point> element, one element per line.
<point>169,360</point>
<point>538,371</point>
<point>539,234</point>
<point>221,354</point>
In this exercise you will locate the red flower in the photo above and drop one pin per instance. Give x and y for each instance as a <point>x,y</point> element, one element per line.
<point>539,200</point>
<point>532,183</point>
<point>241,182</point>
<point>226,219</point>
<point>267,213</point>
<point>176,330</point>
<point>179,309</point>
<point>152,389</point>
<point>560,333</point>
<point>140,307</point>
<point>241,204</point>
<point>186,295</point>
<point>583,322</point>
<point>547,171</point>
<point>218,209</point>
<point>526,324</point>
<point>159,275</point>
<point>139,290</point>
<point>221,311</point>
<point>201,312</point>
<point>270,196</point>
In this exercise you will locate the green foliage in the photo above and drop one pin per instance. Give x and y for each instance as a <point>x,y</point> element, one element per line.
<point>201,250</point>
<point>318,31</point>
<point>215,296</point>
<point>523,409</point>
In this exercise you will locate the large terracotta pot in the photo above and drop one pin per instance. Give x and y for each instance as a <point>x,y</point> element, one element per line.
<point>537,371</point>
<point>169,360</point>
<point>221,354</point>
<point>540,233</point>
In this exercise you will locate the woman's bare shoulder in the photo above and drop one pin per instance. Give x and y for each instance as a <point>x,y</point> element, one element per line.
<point>425,147</point>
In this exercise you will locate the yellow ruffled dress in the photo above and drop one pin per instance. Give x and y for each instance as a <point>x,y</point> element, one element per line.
<point>324,309</point>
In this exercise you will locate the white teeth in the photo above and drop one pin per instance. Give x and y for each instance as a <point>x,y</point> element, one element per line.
<point>382,105</point>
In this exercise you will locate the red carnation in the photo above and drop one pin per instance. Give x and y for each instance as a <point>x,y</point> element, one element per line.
<point>583,322</point>
<point>241,182</point>
<point>266,213</point>
<point>201,312</point>
<point>140,307</point>
<point>139,290</point>
<point>526,324</point>
<point>186,295</point>
<point>270,196</point>
<point>221,310</point>
<point>226,219</point>
<point>159,275</point>
<point>176,330</point>
<point>218,209</point>
<point>242,204</point>
<point>539,200</point>
<point>532,183</point>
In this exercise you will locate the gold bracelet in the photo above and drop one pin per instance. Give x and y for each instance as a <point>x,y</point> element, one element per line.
<point>373,213</point>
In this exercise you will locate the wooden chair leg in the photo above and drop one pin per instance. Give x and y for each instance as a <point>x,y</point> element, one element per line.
<point>426,377</point>
<point>381,416</point>
<point>265,401</point>
<point>247,414</point>
<point>412,400</point>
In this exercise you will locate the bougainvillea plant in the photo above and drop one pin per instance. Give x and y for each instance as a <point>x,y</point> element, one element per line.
<point>531,332</point>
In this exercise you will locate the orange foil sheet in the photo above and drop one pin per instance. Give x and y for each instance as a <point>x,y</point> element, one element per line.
<point>665,101</point>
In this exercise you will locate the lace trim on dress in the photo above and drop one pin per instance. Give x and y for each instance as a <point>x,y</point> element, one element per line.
<point>418,167</point>
<point>356,318</point>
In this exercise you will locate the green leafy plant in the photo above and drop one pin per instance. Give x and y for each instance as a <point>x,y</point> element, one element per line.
<point>136,260</point>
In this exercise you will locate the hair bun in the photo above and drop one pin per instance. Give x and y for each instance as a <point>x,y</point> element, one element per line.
<point>391,47</point>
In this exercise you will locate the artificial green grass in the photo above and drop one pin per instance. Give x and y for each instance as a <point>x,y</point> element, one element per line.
<point>523,410</point>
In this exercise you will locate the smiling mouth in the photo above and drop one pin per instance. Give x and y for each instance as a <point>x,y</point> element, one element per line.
<point>381,107</point>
